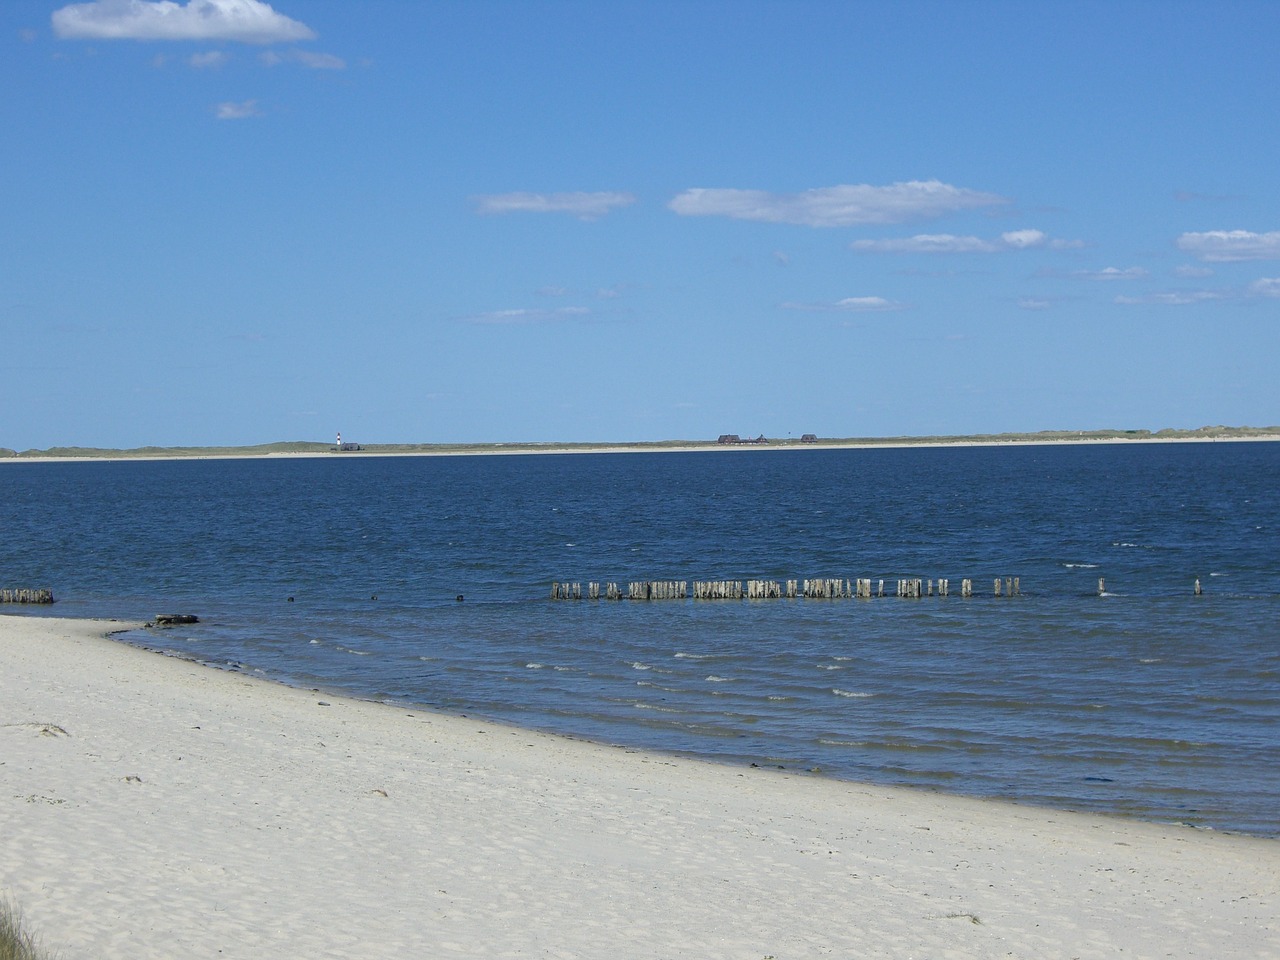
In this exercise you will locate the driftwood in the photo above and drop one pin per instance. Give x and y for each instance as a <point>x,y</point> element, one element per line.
<point>171,619</point>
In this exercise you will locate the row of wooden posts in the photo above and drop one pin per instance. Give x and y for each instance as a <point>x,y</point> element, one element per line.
<point>827,589</point>
<point>26,596</point>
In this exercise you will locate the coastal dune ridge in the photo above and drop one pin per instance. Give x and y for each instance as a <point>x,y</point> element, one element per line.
<point>151,806</point>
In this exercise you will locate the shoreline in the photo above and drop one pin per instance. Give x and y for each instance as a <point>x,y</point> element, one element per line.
<point>1085,438</point>
<point>153,806</point>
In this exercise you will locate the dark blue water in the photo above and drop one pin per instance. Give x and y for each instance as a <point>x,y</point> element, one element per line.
<point>1148,701</point>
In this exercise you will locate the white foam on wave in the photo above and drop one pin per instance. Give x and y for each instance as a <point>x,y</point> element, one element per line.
<point>1081,566</point>
<point>694,656</point>
<point>714,679</point>
<point>855,694</point>
<point>637,665</point>
<point>654,706</point>
<point>830,666</point>
<point>535,666</point>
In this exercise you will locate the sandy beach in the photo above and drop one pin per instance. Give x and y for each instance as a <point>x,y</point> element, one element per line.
<point>153,808</point>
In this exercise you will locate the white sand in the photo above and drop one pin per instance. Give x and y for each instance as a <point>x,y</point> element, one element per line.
<point>154,808</point>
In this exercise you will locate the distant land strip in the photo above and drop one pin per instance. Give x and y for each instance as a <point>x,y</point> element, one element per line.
<point>319,448</point>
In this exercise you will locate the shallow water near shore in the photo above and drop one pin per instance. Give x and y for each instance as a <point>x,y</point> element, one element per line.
<point>1148,701</point>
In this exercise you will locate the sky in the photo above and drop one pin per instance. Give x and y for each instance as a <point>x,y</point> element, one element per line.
<point>231,222</point>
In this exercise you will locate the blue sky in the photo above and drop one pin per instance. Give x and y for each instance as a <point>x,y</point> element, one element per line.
<point>233,222</point>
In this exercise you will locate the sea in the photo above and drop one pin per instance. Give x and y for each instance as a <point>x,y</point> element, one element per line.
<point>425,581</point>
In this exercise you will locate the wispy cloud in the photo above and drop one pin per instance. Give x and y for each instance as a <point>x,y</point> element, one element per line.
<point>307,58</point>
<point>1173,298</point>
<point>848,305</point>
<point>526,315</point>
<point>1225,246</point>
<point>1190,270</point>
<point>1263,287</point>
<point>950,243</point>
<point>1108,274</point>
<point>230,110</point>
<point>840,206</point>
<point>584,206</point>
<point>243,21</point>
<point>1190,196</point>
<point>210,60</point>
<point>1034,303</point>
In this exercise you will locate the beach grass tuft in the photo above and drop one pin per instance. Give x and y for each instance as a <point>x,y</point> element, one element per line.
<point>17,943</point>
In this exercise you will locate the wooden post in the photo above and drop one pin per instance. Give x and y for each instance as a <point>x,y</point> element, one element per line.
<point>997,586</point>
<point>1102,586</point>
<point>1198,586</point>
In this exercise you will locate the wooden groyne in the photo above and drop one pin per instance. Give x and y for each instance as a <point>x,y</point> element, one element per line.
<point>26,596</point>
<point>819,589</point>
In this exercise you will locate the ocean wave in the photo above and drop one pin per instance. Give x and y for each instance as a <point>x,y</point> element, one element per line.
<point>854,694</point>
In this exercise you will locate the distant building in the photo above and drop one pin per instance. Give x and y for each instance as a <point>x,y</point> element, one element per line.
<point>729,438</point>
<point>809,438</point>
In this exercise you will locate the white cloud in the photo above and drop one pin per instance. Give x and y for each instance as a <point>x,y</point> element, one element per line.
<point>204,61</point>
<point>1175,298</point>
<point>316,61</point>
<point>230,110</point>
<point>839,206</point>
<point>319,61</point>
<point>524,315</point>
<point>1112,273</point>
<point>1032,303</point>
<point>926,243</point>
<point>1224,246</point>
<point>245,21</point>
<point>849,305</point>
<point>1265,287</point>
<point>1192,271</point>
<point>585,206</point>
<point>950,243</point>
<point>1022,239</point>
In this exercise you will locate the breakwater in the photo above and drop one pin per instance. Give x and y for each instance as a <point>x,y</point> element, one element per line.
<point>863,588</point>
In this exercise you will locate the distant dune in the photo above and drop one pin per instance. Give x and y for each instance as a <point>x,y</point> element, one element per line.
<point>305,448</point>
